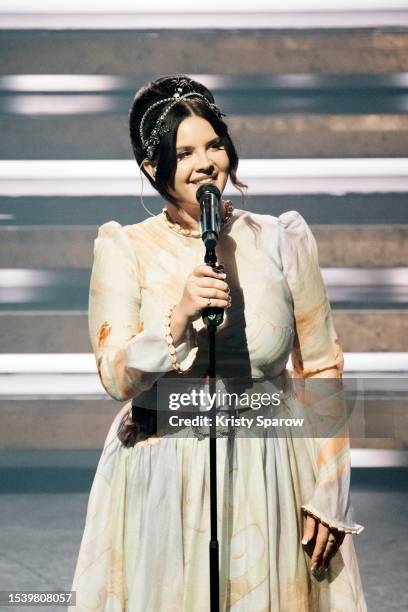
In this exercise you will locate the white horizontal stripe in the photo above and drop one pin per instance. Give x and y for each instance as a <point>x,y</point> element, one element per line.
<point>377,458</point>
<point>82,385</point>
<point>227,14</point>
<point>103,84</point>
<point>336,277</point>
<point>376,362</point>
<point>348,277</point>
<point>84,363</point>
<point>49,363</point>
<point>215,6</point>
<point>264,177</point>
<point>58,104</point>
<point>55,385</point>
<point>207,20</point>
<point>24,278</point>
<point>52,83</point>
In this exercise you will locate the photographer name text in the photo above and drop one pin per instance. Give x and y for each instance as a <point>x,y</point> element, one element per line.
<point>222,420</point>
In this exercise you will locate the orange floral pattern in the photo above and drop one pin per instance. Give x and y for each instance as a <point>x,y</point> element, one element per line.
<point>104,332</point>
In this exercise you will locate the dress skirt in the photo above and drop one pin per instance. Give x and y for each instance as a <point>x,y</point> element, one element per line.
<point>145,543</point>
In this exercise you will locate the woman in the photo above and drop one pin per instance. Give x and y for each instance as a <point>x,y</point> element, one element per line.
<point>283,501</point>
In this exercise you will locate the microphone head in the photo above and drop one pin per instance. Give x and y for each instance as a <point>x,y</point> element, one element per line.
<point>207,188</point>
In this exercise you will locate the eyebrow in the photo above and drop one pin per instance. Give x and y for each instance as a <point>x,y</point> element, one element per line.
<point>189,148</point>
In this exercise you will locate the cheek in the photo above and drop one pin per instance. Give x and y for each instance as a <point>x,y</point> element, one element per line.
<point>223,162</point>
<point>181,176</point>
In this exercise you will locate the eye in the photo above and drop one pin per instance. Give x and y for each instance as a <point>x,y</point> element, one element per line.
<point>217,145</point>
<point>182,155</point>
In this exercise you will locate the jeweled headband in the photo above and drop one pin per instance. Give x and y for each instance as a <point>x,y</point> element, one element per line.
<point>160,128</point>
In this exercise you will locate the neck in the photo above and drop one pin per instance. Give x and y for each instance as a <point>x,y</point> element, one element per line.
<point>187,215</point>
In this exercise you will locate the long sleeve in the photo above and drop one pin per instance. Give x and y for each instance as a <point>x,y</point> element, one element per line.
<point>316,347</point>
<point>130,354</point>
<point>317,354</point>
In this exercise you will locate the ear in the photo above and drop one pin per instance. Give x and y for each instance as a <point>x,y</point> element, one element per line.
<point>149,167</point>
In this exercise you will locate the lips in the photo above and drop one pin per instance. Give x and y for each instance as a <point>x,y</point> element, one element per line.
<point>203,181</point>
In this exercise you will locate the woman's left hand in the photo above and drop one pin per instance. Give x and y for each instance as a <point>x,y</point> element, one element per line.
<point>321,543</point>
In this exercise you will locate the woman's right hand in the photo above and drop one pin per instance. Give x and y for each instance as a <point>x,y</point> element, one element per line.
<point>202,285</point>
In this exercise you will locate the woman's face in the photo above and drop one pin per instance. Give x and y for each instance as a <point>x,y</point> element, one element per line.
<point>200,157</point>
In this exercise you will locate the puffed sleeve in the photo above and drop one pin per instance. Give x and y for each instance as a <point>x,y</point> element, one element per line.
<point>130,356</point>
<point>316,347</point>
<point>317,354</point>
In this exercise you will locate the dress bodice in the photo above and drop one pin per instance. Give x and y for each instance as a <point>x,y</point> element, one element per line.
<point>279,301</point>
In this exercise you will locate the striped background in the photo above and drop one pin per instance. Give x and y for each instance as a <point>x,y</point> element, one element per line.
<point>319,115</point>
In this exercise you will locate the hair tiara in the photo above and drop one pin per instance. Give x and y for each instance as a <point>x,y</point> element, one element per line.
<point>183,89</point>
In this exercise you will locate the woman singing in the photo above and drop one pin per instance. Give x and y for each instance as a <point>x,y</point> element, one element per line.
<point>284,518</point>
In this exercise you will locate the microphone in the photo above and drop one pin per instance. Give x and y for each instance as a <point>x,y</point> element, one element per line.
<point>208,196</point>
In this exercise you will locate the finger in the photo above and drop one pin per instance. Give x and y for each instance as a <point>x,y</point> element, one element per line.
<point>334,542</point>
<point>204,270</point>
<point>330,550</point>
<point>206,281</point>
<point>215,294</point>
<point>321,542</point>
<point>214,303</point>
<point>309,528</point>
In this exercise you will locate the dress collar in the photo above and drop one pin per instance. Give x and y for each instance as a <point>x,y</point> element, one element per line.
<point>226,220</point>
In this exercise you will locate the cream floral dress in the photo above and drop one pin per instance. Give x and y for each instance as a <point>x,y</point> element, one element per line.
<point>145,542</point>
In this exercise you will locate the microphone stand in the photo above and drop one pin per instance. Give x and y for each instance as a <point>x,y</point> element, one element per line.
<point>213,317</point>
<point>208,196</point>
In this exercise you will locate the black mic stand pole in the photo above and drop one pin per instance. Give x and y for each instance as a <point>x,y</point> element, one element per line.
<point>213,317</point>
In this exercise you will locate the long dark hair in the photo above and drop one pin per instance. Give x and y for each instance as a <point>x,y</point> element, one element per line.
<point>165,157</point>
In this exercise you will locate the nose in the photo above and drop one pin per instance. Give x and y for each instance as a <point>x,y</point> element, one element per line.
<point>204,163</point>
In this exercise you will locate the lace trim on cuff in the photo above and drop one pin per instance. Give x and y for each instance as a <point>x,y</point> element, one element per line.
<point>333,524</point>
<point>187,363</point>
